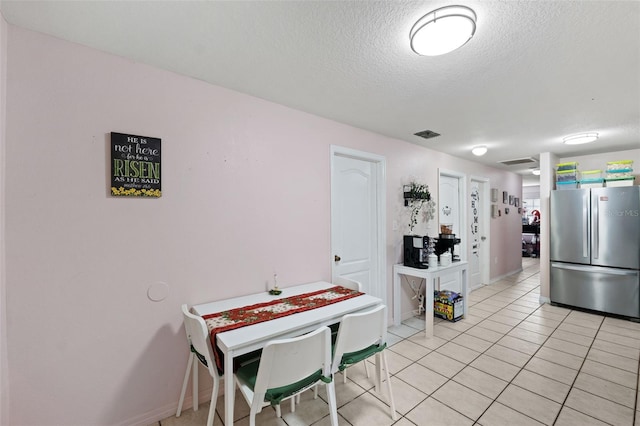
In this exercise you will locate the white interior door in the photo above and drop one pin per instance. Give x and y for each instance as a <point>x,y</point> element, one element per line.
<point>478,232</point>
<point>451,212</point>
<point>357,218</point>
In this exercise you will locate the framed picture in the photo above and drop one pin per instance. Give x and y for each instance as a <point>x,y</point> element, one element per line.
<point>505,197</point>
<point>494,210</point>
<point>494,195</point>
<point>511,200</point>
<point>506,210</point>
<point>516,202</point>
<point>519,210</point>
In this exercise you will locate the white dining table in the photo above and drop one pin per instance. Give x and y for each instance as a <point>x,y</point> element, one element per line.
<point>249,338</point>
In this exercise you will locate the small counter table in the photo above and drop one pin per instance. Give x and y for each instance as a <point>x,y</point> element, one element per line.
<point>430,275</point>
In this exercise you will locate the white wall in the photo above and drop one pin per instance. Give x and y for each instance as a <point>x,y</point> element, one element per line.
<point>245,193</point>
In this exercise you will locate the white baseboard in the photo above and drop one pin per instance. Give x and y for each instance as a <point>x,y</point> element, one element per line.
<point>169,410</point>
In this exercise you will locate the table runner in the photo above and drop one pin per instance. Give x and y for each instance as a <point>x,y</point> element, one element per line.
<point>248,315</point>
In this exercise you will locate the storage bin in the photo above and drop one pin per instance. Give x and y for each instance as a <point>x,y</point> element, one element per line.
<point>448,305</point>
<point>592,183</point>
<point>566,166</point>
<point>619,174</point>
<point>567,176</point>
<point>620,165</point>
<point>626,181</point>
<point>567,185</point>
<point>587,175</point>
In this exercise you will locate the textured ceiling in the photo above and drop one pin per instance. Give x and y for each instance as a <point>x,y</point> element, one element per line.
<point>534,72</point>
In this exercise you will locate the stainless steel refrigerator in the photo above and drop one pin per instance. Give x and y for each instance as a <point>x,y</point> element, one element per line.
<point>595,249</point>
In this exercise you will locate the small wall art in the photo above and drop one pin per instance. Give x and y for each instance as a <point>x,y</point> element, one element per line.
<point>505,197</point>
<point>494,195</point>
<point>135,166</point>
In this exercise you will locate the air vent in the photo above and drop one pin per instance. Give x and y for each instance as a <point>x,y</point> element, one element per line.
<point>427,134</point>
<point>517,161</point>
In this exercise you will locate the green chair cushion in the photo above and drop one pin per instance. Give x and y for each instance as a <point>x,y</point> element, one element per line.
<point>351,358</point>
<point>248,374</point>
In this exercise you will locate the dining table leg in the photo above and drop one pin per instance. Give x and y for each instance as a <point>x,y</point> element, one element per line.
<point>229,389</point>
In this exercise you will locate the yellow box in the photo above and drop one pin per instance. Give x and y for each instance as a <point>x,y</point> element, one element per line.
<point>448,305</point>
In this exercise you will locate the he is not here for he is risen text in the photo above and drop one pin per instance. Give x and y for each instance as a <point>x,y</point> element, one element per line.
<point>135,165</point>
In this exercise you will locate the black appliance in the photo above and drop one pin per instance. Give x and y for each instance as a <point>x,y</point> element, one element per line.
<point>445,243</point>
<point>415,251</point>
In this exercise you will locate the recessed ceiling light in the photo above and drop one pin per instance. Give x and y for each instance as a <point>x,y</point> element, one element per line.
<point>479,150</point>
<point>443,30</point>
<point>580,138</point>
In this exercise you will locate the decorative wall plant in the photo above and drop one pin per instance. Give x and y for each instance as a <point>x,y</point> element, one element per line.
<point>418,198</point>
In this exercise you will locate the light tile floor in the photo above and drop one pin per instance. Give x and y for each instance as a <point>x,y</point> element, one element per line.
<point>511,362</point>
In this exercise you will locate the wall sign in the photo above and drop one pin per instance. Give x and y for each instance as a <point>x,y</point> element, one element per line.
<point>135,166</point>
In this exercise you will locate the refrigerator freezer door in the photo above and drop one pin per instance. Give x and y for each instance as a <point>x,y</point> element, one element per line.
<point>570,226</point>
<point>614,291</point>
<point>615,224</point>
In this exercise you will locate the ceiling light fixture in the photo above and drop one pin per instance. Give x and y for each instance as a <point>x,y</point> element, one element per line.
<point>443,30</point>
<point>479,150</point>
<point>535,172</point>
<point>580,138</point>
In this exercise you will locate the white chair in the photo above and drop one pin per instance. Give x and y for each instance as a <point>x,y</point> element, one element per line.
<point>286,368</point>
<point>361,336</point>
<point>353,285</point>
<point>200,349</point>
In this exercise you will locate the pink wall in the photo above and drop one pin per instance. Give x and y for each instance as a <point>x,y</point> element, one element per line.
<point>245,193</point>
<point>4,370</point>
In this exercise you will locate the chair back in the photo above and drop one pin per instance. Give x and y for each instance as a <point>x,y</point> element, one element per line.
<point>348,283</point>
<point>288,361</point>
<point>198,339</point>
<point>360,331</point>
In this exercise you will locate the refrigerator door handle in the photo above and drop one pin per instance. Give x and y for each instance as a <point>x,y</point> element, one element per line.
<point>595,226</point>
<point>585,229</point>
<point>600,269</point>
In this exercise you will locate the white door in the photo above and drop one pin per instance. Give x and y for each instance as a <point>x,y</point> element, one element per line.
<point>357,219</point>
<point>478,232</point>
<point>451,189</point>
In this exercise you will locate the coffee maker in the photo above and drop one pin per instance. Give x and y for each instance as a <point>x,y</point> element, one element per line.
<point>416,251</point>
<point>446,243</point>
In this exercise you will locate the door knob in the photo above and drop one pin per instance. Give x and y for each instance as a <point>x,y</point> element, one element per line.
<point>337,258</point>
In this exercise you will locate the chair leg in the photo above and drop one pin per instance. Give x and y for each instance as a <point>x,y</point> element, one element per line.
<point>344,376</point>
<point>388,377</point>
<point>185,382</point>
<point>331,396</point>
<point>214,400</point>
<point>293,403</point>
<point>366,368</point>
<point>195,383</point>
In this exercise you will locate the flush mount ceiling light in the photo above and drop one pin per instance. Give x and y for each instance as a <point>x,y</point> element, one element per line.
<point>479,150</point>
<point>580,138</point>
<point>443,30</point>
<point>535,172</point>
